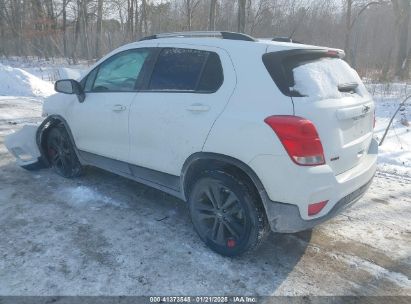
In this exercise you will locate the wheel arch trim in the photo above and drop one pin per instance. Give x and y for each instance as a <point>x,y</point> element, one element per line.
<point>50,121</point>
<point>221,158</point>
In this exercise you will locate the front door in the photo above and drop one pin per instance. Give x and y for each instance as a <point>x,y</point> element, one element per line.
<point>100,124</point>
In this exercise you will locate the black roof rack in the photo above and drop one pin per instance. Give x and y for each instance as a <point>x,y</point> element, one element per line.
<point>199,34</point>
<point>285,39</point>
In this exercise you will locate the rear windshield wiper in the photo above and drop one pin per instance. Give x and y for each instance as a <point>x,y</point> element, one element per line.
<point>347,87</point>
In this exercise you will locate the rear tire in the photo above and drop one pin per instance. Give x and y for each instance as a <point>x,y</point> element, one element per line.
<point>61,154</point>
<point>227,214</point>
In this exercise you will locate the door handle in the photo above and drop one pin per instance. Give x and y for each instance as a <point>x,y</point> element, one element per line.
<point>119,108</point>
<point>198,108</point>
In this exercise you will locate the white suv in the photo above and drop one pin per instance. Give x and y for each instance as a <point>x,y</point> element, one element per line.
<point>255,135</point>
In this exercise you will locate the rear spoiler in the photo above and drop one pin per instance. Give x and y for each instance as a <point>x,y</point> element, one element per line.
<point>280,65</point>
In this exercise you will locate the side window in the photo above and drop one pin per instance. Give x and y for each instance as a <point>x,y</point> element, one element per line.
<point>178,69</point>
<point>212,77</point>
<point>120,72</point>
<point>90,80</point>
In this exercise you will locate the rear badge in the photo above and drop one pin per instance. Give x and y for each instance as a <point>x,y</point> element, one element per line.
<point>365,109</point>
<point>335,158</point>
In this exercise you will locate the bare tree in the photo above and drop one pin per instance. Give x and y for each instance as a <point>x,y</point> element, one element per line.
<point>402,12</point>
<point>347,40</point>
<point>211,19</point>
<point>99,28</point>
<point>143,19</point>
<point>377,40</point>
<point>64,27</point>
<point>190,6</point>
<point>241,16</point>
<point>136,19</point>
<point>130,20</point>
<point>350,22</point>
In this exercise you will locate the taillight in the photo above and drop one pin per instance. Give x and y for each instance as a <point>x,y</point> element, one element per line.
<point>299,138</point>
<point>315,208</point>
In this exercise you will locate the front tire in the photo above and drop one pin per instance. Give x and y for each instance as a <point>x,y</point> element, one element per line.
<point>227,214</point>
<point>61,154</point>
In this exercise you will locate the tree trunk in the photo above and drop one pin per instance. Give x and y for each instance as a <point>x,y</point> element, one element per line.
<point>3,26</point>
<point>130,19</point>
<point>99,27</point>
<point>241,16</point>
<point>211,19</point>
<point>65,28</point>
<point>402,12</point>
<point>347,41</point>
<point>51,26</point>
<point>84,29</point>
<point>76,32</point>
<point>188,14</point>
<point>143,19</point>
<point>38,25</point>
<point>136,20</point>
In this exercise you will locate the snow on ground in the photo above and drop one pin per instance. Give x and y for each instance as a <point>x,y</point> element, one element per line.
<point>18,109</point>
<point>81,196</point>
<point>48,70</point>
<point>104,235</point>
<point>15,81</point>
<point>35,77</point>
<point>395,153</point>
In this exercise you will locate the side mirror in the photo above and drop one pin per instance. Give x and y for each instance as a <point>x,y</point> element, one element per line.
<point>70,86</point>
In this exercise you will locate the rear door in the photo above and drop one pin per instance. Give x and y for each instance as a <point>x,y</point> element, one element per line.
<point>173,112</point>
<point>327,91</point>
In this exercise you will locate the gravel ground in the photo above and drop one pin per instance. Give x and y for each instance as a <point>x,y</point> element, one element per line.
<point>104,235</point>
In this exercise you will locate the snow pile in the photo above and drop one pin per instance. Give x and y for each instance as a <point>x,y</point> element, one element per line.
<point>69,73</point>
<point>50,70</point>
<point>395,153</point>
<point>54,73</point>
<point>17,82</point>
<point>320,79</point>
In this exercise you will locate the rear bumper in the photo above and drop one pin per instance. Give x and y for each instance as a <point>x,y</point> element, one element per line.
<point>289,189</point>
<point>286,218</point>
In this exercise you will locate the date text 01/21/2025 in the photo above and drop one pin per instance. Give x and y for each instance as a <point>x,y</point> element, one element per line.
<point>202,299</point>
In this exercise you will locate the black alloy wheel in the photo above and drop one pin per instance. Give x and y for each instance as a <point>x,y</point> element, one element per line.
<point>61,154</point>
<point>226,214</point>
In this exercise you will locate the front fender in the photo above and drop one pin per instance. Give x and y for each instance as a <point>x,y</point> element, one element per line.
<point>23,146</point>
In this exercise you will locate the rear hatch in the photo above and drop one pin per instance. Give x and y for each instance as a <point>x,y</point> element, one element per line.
<point>327,91</point>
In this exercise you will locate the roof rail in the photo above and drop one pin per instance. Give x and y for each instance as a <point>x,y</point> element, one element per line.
<point>199,34</point>
<point>285,39</point>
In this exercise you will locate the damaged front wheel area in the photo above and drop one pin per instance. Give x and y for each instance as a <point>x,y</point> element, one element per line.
<point>61,154</point>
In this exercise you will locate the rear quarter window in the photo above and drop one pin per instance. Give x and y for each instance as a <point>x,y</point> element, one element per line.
<point>212,77</point>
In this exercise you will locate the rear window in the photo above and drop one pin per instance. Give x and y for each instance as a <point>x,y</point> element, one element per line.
<point>316,74</point>
<point>177,69</point>
<point>324,78</point>
<point>187,70</point>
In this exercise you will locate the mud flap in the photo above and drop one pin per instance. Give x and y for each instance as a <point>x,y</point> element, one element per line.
<point>23,146</point>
